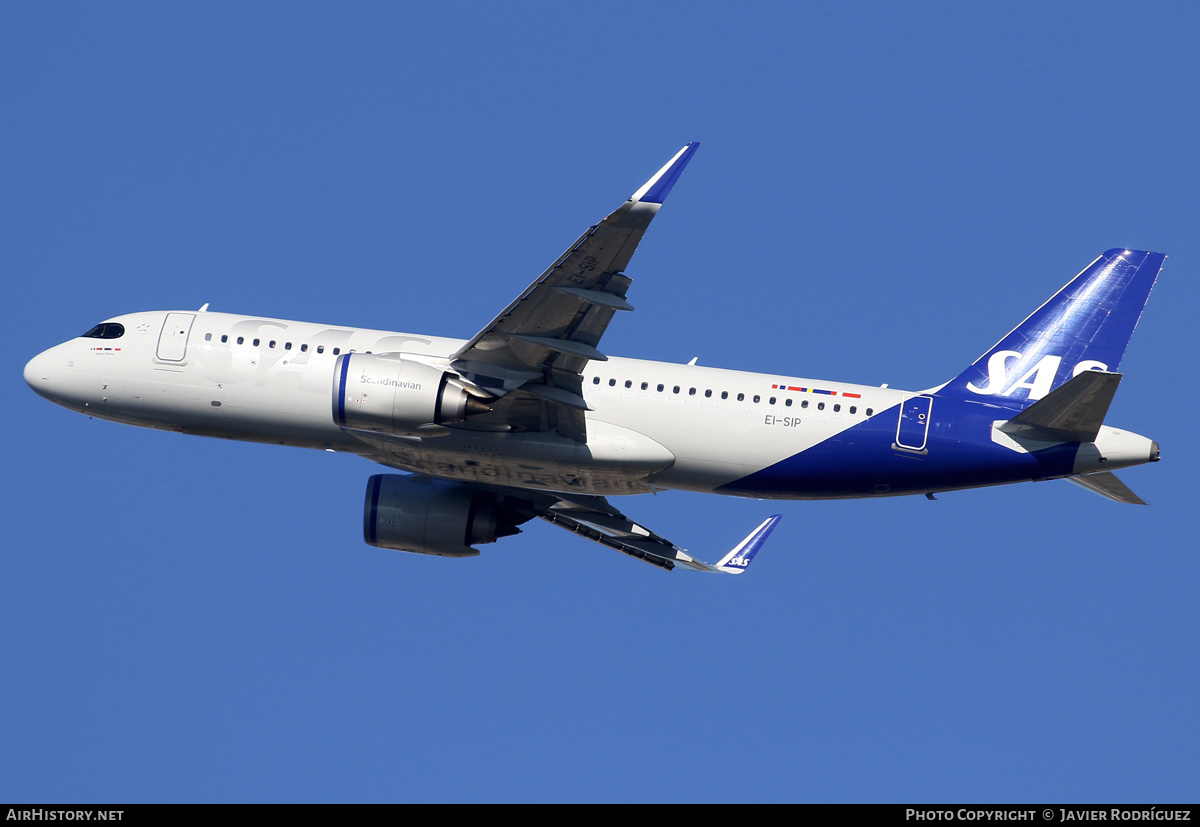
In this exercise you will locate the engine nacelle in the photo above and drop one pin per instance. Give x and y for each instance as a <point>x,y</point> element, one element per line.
<point>392,395</point>
<point>430,516</point>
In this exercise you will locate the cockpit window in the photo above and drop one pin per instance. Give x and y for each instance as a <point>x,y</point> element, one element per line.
<point>106,330</point>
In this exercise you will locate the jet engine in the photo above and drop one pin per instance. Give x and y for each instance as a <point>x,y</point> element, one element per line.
<point>392,395</point>
<point>430,516</point>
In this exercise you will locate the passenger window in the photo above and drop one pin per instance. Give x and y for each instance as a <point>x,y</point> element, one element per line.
<point>304,348</point>
<point>787,403</point>
<point>645,385</point>
<point>208,337</point>
<point>612,383</point>
<point>676,390</point>
<point>837,408</point>
<point>741,397</point>
<point>241,340</point>
<point>691,391</point>
<point>869,412</point>
<point>320,348</point>
<point>756,398</point>
<point>336,351</point>
<point>708,393</point>
<point>660,388</point>
<point>224,338</point>
<point>724,394</point>
<point>255,342</point>
<point>820,406</point>
<point>287,346</point>
<point>804,404</point>
<point>272,344</point>
<point>772,400</point>
<point>853,409</point>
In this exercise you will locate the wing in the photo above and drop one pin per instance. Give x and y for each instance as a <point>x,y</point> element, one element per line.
<point>596,519</point>
<point>530,357</point>
<point>427,515</point>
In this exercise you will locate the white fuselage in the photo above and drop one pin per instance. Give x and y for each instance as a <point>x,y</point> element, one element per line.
<point>651,425</point>
<point>269,380</point>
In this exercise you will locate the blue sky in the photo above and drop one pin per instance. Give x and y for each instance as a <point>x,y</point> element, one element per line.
<point>882,192</point>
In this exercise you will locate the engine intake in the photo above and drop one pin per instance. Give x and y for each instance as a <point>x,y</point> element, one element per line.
<point>393,395</point>
<point>430,516</point>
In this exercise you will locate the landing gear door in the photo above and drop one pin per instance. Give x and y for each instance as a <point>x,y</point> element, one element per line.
<point>912,431</point>
<point>172,342</point>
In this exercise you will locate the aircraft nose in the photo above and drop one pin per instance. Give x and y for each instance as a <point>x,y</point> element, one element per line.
<point>37,372</point>
<point>46,375</point>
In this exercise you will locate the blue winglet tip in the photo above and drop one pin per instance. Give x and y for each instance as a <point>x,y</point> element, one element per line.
<point>739,559</point>
<point>760,537</point>
<point>665,180</point>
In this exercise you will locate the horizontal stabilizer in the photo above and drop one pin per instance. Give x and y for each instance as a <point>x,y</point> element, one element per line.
<point>1072,413</point>
<point>1106,484</point>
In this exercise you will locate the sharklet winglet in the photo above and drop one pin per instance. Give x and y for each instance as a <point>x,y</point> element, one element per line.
<point>656,189</point>
<point>737,561</point>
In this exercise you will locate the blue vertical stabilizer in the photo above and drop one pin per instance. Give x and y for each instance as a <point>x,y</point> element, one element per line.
<point>1084,326</point>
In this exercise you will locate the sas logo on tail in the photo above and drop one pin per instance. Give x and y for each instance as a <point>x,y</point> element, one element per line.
<point>1038,380</point>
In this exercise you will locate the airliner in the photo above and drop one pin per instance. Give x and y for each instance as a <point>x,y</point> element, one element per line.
<point>529,418</point>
